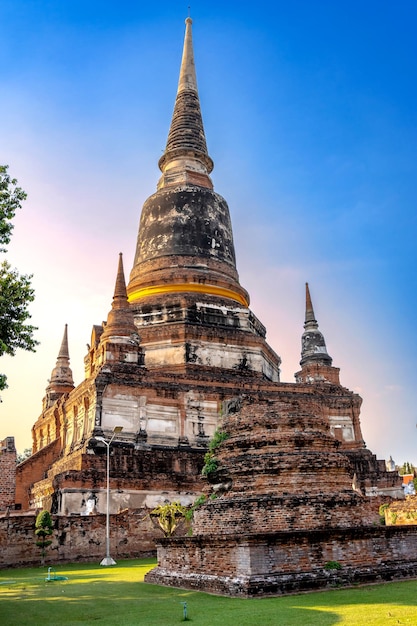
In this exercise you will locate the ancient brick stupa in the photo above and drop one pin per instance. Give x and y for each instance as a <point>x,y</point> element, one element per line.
<point>282,513</point>
<point>181,354</point>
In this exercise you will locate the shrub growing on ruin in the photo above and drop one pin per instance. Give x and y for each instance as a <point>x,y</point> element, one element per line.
<point>210,461</point>
<point>198,502</point>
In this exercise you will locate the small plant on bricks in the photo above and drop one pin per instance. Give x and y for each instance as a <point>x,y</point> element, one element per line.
<point>190,512</point>
<point>43,530</point>
<point>210,461</point>
<point>210,464</point>
<point>333,565</point>
<point>381,512</point>
<point>168,516</point>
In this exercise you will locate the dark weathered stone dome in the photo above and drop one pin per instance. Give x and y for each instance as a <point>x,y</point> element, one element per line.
<point>186,221</point>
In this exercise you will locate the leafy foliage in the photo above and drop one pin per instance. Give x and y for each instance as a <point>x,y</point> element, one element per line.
<point>218,437</point>
<point>210,464</point>
<point>44,529</point>
<point>11,198</point>
<point>15,295</point>
<point>382,508</point>
<point>406,468</point>
<point>198,502</point>
<point>381,512</point>
<point>169,515</point>
<point>333,565</point>
<point>15,290</point>
<point>210,461</point>
<point>22,456</point>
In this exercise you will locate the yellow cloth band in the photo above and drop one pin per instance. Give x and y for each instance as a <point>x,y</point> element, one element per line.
<point>154,290</point>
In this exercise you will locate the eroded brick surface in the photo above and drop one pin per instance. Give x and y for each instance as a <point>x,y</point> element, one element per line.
<point>78,538</point>
<point>281,563</point>
<point>7,473</point>
<point>284,507</point>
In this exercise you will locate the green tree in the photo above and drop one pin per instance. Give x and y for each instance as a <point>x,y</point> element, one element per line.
<point>406,468</point>
<point>169,516</point>
<point>11,198</point>
<point>44,529</point>
<point>15,290</point>
<point>22,456</point>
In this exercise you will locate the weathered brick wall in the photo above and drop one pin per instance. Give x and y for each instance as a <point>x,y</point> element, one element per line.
<point>7,473</point>
<point>275,563</point>
<point>283,513</point>
<point>32,470</point>
<point>167,470</point>
<point>77,538</point>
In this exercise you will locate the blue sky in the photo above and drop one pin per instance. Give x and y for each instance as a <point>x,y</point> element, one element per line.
<point>310,115</point>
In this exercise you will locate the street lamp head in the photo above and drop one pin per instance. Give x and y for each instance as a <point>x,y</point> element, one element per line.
<point>116,430</point>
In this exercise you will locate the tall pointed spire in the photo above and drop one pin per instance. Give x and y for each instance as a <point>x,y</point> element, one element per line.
<point>120,296</point>
<point>63,351</point>
<point>313,348</point>
<point>185,240</point>
<point>61,380</point>
<point>61,374</point>
<point>116,340</point>
<point>309,319</point>
<point>188,79</point>
<point>120,322</point>
<point>186,159</point>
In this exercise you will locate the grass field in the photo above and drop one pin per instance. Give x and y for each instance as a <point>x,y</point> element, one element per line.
<point>117,595</point>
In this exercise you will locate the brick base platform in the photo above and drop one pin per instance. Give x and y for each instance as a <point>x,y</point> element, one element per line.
<point>283,563</point>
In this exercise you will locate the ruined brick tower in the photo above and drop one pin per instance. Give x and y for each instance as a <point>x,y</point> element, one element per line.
<point>179,342</point>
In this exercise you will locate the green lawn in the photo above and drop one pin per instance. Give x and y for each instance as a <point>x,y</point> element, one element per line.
<point>117,595</point>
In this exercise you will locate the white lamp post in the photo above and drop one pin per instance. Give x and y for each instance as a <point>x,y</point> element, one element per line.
<point>107,559</point>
